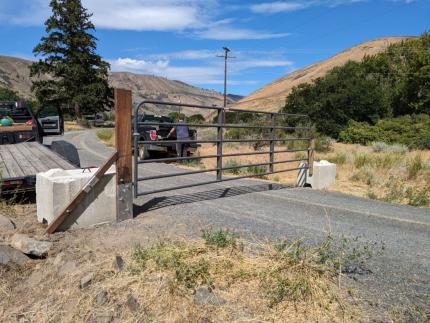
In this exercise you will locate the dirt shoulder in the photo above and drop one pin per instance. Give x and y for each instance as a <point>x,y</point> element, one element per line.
<point>145,270</point>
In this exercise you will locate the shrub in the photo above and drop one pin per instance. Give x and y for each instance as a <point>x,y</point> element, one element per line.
<point>418,198</point>
<point>362,159</point>
<point>412,131</point>
<point>339,158</point>
<point>323,144</point>
<point>359,133</point>
<point>379,147</point>
<point>414,166</point>
<point>232,163</point>
<point>255,170</point>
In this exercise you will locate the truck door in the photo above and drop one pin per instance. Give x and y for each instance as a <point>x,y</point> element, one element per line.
<point>51,121</point>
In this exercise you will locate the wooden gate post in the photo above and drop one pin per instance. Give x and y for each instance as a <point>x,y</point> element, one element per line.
<point>124,192</point>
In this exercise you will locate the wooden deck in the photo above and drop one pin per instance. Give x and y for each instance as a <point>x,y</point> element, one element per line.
<point>27,159</point>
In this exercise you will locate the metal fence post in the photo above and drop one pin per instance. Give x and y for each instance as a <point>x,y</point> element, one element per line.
<point>136,136</point>
<point>272,141</point>
<point>311,149</point>
<point>220,120</point>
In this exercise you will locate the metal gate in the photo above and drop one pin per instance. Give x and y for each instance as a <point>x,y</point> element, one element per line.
<point>295,126</point>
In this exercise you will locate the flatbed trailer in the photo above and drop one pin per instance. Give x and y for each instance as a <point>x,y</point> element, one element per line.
<point>19,164</point>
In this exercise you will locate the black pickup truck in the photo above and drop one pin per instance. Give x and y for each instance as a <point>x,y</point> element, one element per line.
<point>158,134</point>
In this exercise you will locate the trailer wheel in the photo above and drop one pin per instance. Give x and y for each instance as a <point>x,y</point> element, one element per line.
<point>143,153</point>
<point>67,151</point>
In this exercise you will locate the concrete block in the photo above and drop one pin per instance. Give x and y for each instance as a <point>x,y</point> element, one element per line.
<point>323,176</point>
<point>56,188</point>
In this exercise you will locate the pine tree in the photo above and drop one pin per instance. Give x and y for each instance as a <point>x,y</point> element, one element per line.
<point>76,78</point>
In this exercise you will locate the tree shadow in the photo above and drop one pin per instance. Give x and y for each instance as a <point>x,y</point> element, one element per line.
<point>166,201</point>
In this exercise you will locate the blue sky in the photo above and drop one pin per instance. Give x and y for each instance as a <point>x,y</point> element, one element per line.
<point>180,39</point>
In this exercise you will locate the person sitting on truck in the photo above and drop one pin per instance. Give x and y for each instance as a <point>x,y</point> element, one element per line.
<point>182,133</point>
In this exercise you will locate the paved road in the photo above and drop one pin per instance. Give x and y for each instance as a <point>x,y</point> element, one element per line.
<point>401,275</point>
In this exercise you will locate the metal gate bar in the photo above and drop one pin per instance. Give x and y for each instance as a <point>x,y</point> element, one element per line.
<point>219,141</point>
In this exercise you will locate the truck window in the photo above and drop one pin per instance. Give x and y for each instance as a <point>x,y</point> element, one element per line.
<point>16,112</point>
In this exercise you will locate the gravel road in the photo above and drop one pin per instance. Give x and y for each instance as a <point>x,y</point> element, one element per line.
<point>399,276</point>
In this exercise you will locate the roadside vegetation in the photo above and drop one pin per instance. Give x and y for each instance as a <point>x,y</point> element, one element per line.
<point>107,136</point>
<point>217,278</point>
<point>381,171</point>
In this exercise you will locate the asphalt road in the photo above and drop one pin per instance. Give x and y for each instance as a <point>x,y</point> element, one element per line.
<point>398,275</point>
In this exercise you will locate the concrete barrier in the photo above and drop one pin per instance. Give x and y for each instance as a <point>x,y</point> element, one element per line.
<point>323,176</point>
<point>56,188</point>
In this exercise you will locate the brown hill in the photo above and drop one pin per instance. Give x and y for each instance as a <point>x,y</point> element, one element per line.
<point>14,74</point>
<point>271,97</point>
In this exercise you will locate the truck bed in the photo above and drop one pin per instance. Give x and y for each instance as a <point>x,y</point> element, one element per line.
<point>26,159</point>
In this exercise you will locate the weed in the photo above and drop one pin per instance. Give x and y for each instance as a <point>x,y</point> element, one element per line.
<point>106,136</point>
<point>380,147</point>
<point>365,175</point>
<point>414,166</point>
<point>193,163</point>
<point>276,178</point>
<point>220,238</point>
<point>418,198</point>
<point>387,161</point>
<point>170,256</point>
<point>339,158</point>
<point>232,163</point>
<point>192,275</point>
<point>257,170</point>
<point>362,159</point>
<point>372,195</point>
<point>396,190</point>
<point>323,144</point>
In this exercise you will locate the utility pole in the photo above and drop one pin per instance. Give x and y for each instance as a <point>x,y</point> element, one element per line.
<point>226,57</point>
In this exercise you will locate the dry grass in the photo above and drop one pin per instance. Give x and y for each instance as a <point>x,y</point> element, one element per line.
<point>393,177</point>
<point>390,176</point>
<point>72,126</point>
<point>107,136</point>
<point>274,284</point>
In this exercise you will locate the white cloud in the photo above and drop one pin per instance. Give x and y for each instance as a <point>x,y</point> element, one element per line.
<point>278,6</point>
<point>162,15</point>
<point>210,72</point>
<point>231,33</point>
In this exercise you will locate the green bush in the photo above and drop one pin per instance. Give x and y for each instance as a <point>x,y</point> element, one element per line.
<point>412,131</point>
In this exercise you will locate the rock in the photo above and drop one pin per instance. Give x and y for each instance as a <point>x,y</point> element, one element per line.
<point>10,255</point>
<point>30,246</point>
<point>101,318</point>
<point>102,297</point>
<point>6,224</point>
<point>118,264</point>
<point>205,296</point>
<point>67,268</point>
<point>86,280</point>
<point>132,303</point>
